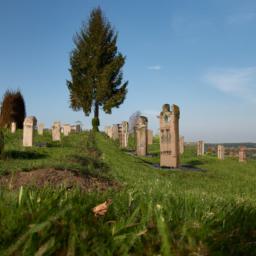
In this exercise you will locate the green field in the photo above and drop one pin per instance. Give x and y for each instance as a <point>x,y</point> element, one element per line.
<point>153,211</point>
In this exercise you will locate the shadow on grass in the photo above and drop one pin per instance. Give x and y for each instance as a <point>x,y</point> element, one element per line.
<point>15,154</point>
<point>193,163</point>
<point>91,164</point>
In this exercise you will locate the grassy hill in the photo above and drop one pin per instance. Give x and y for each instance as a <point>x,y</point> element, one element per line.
<point>153,211</point>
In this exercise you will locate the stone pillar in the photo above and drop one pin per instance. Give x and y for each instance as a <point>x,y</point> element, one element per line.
<point>169,136</point>
<point>56,131</point>
<point>115,135</point>
<point>28,131</point>
<point>181,145</point>
<point>150,137</point>
<point>40,129</point>
<point>221,152</point>
<point>200,148</point>
<point>242,154</point>
<point>13,127</point>
<point>142,136</point>
<point>124,134</point>
<point>66,129</point>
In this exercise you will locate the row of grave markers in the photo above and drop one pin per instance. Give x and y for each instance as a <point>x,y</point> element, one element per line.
<point>221,151</point>
<point>30,124</point>
<point>171,145</point>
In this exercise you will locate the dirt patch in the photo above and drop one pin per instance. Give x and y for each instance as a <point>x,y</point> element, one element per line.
<point>56,178</point>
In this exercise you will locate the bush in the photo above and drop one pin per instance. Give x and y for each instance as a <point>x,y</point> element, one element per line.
<point>1,142</point>
<point>13,109</point>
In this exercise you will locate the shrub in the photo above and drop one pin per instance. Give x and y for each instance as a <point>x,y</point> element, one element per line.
<point>1,142</point>
<point>12,109</point>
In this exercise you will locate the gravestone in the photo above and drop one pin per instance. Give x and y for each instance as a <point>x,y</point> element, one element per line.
<point>28,131</point>
<point>150,137</point>
<point>115,135</point>
<point>124,134</point>
<point>66,129</point>
<point>76,128</point>
<point>242,154</point>
<point>200,148</point>
<point>110,132</point>
<point>221,152</point>
<point>13,127</point>
<point>169,136</point>
<point>56,131</point>
<point>181,145</point>
<point>141,136</point>
<point>40,129</point>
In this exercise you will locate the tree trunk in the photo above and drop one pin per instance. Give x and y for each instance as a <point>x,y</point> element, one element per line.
<point>95,120</point>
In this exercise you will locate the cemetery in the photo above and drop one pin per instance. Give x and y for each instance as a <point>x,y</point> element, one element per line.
<point>135,185</point>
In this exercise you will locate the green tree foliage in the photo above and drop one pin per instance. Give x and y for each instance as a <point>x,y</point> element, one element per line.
<point>13,109</point>
<point>96,69</point>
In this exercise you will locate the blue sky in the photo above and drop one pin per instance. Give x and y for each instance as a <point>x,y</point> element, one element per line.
<point>197,54</point>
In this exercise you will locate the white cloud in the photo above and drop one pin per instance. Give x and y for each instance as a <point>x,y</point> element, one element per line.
<point>240,82</point>
<point>241,18</point>
<point>156,67</point>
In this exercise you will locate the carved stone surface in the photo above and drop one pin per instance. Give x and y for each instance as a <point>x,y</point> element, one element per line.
<point>115,135</point>
<point>124,134</point>
<point>56,131</point>
<point>142,136</point>
<point>242,154</point>
<point>150,137</point>
<point>181,145</point>
<point>169,136</point>
<point>13,127</point>
<point>40,129</point>
<point>28,131</point>
<point>200,148</point>
<point>220,152</point>
<point>66,129</point>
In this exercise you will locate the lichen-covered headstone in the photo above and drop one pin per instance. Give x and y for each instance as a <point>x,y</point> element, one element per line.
<point>169,136</point>
<point>124,134</point>
<point>56,131</point>
<point>150,137</point>
<point>200,148</point>
<point>221,152</point>
<point>13,127</point>
<point>40,129</point>
<point>115,135</point>
<point>142,136</point>
<point>242,154</point>
<point>66,129</point>
<point>181,145</point>
<point>28,131</point>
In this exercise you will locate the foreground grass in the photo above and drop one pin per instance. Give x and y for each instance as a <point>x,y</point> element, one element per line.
<point>155,211</point>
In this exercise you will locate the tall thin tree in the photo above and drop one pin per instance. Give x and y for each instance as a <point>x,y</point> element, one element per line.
<point>96,69</point>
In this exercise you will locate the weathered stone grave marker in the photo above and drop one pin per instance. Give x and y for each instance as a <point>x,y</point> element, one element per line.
<point>28,131</point>
<point>66,129</point>
<point>221,152</point>
<point>181,145</point>
<point>169,136</point>
<point>200,148</point>
<point>13,127</point>
<point>141,136</point>
<point>150,137</point>
<point>56,131</point>
<point>242,154</point>
<point>40,129</point>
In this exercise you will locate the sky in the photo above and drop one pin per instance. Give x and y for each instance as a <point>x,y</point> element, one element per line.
<point>198,54</point>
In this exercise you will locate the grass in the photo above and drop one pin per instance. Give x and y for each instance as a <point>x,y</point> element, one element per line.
<point>156,212</point>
